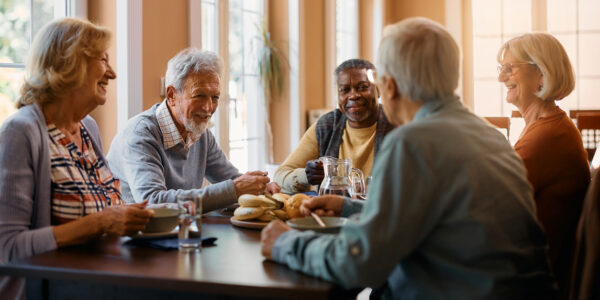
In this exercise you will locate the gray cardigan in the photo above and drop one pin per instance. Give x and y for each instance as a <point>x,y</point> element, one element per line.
<point>25,188</point>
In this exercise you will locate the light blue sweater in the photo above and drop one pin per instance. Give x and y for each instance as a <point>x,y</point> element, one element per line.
<point>147,170</point>
<point>449,215</point>
<point>25,189</point>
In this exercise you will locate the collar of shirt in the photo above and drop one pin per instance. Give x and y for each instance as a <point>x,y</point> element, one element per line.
<point>430,107</point>
<point>171,135</point>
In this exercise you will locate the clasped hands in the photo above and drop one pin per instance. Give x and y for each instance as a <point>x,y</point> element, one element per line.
<point>327,205</point>
<point>256,183</point>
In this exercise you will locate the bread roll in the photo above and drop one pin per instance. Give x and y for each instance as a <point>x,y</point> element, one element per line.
<point>248,200</point>
<point>292,205</point>
<point>247,213</point>
<point>281,214</point>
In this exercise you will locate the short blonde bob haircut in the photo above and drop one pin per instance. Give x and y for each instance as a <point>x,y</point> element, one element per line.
<point>546,52</point>
<point>57,60</point>
<point>423,59</point>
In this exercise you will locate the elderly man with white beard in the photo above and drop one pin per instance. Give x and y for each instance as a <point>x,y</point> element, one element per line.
<point>166,150</point>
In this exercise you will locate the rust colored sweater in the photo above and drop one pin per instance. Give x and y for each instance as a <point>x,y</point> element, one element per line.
<point>557,167</point>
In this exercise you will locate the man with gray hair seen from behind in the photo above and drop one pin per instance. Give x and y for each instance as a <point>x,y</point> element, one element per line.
<point>450,213</point>
<point>166,150</point>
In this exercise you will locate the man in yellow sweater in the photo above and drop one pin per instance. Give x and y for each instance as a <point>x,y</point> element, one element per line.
<point>354,130</point>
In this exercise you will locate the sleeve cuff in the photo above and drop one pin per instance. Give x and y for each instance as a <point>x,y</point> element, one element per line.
<point>351,207</point>
<point>218,195</point>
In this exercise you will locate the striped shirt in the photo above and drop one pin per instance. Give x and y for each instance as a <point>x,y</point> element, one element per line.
<point>82,184</point>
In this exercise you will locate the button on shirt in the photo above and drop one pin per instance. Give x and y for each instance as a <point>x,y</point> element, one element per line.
<point>450,215</point>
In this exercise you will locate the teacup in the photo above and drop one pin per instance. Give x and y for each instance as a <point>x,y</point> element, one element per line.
<point>164,220</point>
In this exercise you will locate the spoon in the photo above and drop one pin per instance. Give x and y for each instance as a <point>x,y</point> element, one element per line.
<point>318,219</point>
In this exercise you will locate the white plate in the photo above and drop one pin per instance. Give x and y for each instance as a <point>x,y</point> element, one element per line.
<point>162,235</point>
<point>248,224</point>
<point>155,235</point>
<point>332,224</point>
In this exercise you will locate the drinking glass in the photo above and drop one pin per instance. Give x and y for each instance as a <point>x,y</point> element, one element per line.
<point>367,182</point>
<point>190,212</point>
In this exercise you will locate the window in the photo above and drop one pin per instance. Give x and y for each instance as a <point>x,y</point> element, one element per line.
<point>494,22</point>
<point>19,22</point>
<point>246,97</point>
<point>208,26</point>
<point>346,30</point>
<point>246,104</point>
<point>574,23</point>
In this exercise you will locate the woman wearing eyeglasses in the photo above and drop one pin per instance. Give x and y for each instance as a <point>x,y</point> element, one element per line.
<point>537,72</point>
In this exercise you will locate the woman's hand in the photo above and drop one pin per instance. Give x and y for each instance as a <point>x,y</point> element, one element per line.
<point>125,219</point>
<point>327,205</point>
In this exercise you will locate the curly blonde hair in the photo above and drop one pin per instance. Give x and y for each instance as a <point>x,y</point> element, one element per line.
<point>58,57</point>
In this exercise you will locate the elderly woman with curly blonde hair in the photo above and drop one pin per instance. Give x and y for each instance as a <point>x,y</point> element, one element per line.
<point>55,186</point>
<point>537,72</point>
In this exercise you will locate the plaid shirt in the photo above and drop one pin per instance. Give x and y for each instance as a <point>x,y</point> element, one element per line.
<point>82,184</point>
<point>170,133</point>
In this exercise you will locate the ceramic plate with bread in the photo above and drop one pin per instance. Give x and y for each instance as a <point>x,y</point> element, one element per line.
<point>257,211</point>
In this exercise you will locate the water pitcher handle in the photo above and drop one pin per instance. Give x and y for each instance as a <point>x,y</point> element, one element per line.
<point>357,178</point>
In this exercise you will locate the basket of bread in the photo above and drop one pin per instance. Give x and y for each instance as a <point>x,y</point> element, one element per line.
<point>257,211</point>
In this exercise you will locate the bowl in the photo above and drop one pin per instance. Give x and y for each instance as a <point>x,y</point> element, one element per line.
<point>332,224</point>
<point>164,220</point>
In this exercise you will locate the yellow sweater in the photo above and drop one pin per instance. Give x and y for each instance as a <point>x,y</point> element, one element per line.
<point>357,144</point>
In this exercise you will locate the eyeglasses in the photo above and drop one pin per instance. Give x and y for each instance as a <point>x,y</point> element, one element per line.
<point>507,68</point>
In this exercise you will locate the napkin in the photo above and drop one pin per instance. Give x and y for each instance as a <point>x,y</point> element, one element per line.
<point>167,244</point>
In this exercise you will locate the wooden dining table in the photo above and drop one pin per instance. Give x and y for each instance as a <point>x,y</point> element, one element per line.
<point>113,268</point>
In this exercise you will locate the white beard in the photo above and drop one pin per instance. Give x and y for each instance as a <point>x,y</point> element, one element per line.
<point>196,129</point>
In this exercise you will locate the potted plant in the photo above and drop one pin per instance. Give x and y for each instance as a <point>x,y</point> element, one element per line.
<point>271,65</point>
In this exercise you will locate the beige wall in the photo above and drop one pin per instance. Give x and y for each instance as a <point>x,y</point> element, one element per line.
<point>397,10</point>
<point>103,12</point>
<point>164,33</point>
<point>280,107</point>
<point>312,43</point>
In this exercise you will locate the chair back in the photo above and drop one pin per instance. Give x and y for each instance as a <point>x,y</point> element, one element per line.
<point>500,122</point>
<point>585,274</point>
<point>589,125</point>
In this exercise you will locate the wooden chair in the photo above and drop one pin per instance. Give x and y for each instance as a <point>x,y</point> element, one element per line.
<point>589,126</point>
<point>500,122</point>
<point>585,274</point>
<point>574,112</point>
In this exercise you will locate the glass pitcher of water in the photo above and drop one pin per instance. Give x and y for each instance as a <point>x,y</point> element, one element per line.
<point>341,178</point>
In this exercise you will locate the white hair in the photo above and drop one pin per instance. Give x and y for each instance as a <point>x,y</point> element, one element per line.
<point>191,60</point>
<point>422,57</point>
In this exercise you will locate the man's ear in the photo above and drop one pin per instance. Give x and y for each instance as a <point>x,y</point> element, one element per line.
<point>377,93</point>
<point>171,93</point>
<point>389,87</point>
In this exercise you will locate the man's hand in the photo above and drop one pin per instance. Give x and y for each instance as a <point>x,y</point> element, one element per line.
<point>253,182</point>
<point>314,171</point>
<point>269,235</point>
<point>125,219</point>
<point>327,205</point>
<point>272,188</point>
